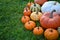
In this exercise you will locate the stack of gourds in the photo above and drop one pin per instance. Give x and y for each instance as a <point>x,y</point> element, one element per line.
<point>47,13</point>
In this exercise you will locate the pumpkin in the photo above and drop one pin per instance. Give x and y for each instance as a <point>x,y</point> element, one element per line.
<point>35,7</point>
<point>27,12</point>
<point>36,16</point>
<point>51,34</point>
<point>59,30</point>
<point>30,25</point>
<point>50,20</point>
<point>52,5</point>
<point>25,19</point>
<point>29,4</point>
<point>38,31</point>
<point>40,2</point>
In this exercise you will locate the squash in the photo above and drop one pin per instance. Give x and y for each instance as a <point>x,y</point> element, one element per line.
<point>27,12</point>
<point>49,6</point>
<point>36,16</point>
<point>25,19</point>
<point>38,31</point>
<point>29,4</point>
<point>40,2</point>
<point>51,34</point>
<point>35,7</point>
<point>50,20</point>
<point>30,25</point>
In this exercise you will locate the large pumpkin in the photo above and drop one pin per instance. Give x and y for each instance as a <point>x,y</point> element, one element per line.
<point>49,6</point>
<point>40,2</point>
<point>50,20</point>
<point>25,19</point>
<point>36,16</point>
<point>27,12</point>
<point>30,25</point>
<point>51,34</point>
<point>35,7</point>
<point>38,31</point>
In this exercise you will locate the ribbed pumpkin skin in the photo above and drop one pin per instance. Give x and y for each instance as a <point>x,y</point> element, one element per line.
<point>25,19</point>
<point>48,22</point>
<point>30,25</point>
<point>49,6</point>
<point>38,31</point>
<point>51,34</point>
<point>40,2</point>
<point>35,8</point>
<point>35,16</point>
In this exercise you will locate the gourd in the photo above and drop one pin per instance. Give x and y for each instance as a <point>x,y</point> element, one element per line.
<point>35,7</point>
<point>49,6</point>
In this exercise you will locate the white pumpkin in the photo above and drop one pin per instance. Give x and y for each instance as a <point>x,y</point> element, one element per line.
<point>49,6</point>
<point>59,30</point>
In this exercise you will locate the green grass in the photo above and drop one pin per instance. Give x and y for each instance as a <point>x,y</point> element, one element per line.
<point>11,27</point>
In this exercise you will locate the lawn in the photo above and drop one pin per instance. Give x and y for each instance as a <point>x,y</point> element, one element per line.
<point>11,27</point>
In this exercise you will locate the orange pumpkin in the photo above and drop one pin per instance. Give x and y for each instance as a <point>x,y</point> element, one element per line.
<point>25,19</point>
<point>50,20</point>
<point>38,31</point>
<point>27,12</point>
<point>29,4</point>
<point>30,25</point>
<point>51,34</point>
<point>40,2</point>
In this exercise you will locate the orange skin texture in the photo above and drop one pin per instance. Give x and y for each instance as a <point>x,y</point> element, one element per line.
<point>30,25</point>
<point>48,22</point>
<point>29,4</point>
<point>25,19</point>
<point>51,34</point>
<point>38,31</point>
<point>40,2</point>
<point>27,12</point>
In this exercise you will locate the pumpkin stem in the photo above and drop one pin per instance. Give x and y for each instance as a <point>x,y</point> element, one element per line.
<point>28,22</point>
<point>51,14</point>
<point>51,30</point>
<point>38,28</point>
<point>26,9</point>
<point>24,17</point>
<point>34,4</point>
<point>55,3</point>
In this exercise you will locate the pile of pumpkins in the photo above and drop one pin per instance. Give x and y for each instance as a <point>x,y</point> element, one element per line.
<point>47,13</point>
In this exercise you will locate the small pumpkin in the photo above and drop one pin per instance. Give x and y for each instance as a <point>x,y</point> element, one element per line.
<point>40,2</point>
<point>27,12</point>
<point>51,34</point>
<point>29,4</point>
<point>59,30</point>
<point>38,31</point>
<point>25,19</point>
<point>50,20</point>
<point>30,25</point>
<point>36,16</point>
<point>35,7</point>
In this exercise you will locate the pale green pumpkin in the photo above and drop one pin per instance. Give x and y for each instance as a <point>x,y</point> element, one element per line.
<point>35,7</point>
